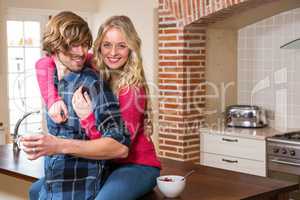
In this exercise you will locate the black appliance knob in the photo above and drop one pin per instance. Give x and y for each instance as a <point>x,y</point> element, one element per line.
<point>275,150</point>
<point>292,153</point>
<point>284,151</point>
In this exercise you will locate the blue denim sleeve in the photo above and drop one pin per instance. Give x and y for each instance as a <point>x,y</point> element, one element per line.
<point>107,113</point>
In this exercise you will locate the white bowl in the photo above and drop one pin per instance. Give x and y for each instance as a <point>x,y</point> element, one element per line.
<point>170,185</point>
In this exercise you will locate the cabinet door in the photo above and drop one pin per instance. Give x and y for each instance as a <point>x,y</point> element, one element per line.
<point>233,146</point>
<point>233,164</point>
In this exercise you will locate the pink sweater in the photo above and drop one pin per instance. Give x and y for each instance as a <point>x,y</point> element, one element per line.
<point>132,105</point>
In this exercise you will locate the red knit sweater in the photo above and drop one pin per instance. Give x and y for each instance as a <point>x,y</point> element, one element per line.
<point>132,105</point>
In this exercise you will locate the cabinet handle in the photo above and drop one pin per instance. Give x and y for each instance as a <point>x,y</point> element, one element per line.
<point>229,140</point>
<point>229,161</point>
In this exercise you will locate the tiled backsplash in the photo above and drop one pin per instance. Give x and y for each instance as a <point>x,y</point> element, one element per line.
<point>267,75</point>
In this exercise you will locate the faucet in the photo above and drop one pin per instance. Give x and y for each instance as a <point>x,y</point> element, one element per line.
<point>16,129</point>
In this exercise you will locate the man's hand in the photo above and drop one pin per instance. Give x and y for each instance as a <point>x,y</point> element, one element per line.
<point>82,103</point>
<point>58,112</point>
<point>38,145</point>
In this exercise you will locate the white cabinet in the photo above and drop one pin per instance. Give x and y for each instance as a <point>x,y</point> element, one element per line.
<point>233,153</point>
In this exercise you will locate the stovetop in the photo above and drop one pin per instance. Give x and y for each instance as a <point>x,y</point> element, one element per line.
<point>283,152</point>
<point>290,136</point>
<point>285,145</point>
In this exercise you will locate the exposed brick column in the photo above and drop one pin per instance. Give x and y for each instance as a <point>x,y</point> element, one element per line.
<point>181,72</point>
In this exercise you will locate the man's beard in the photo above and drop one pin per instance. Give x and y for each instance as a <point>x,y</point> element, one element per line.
<point>71,56</point>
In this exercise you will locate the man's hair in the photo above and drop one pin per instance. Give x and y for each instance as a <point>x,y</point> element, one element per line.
<point>64,30</point>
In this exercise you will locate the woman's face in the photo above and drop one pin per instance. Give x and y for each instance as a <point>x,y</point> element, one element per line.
<point>114,49</point>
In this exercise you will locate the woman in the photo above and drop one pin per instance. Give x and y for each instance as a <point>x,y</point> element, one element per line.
<point>118,59</point>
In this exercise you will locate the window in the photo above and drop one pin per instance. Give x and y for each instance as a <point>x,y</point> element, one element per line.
<point>24,49</point>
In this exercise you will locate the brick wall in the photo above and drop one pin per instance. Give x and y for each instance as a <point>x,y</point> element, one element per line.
<point>181,72</point>
<point>182,63</point>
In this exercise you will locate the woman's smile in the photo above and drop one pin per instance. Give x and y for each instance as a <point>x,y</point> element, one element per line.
<point>113,60</point>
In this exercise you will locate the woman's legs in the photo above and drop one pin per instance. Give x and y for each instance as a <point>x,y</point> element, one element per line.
<point>35,189</point>
<point>129,182</point>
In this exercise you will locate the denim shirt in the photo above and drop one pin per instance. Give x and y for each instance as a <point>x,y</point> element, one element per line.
<point>105,107</point>
<point>69,177</point>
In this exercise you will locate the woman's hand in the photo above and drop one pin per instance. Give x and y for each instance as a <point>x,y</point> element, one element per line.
<point>58,112</point>
<point>82,103</point>
<point>148,128</point>
<point>39,145</point>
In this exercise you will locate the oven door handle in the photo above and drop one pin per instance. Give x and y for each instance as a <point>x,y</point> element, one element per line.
<point>285,162</point>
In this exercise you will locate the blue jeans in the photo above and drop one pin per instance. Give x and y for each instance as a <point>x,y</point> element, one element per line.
<point>35,189</point>
<point>129,182</point>
<point>126,182</point>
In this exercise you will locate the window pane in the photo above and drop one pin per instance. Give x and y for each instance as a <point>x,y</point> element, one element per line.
<point>15,113</point>
<point>15,59</point>
<point>24,49</point>
<point>31,85</point>
<point>18,105</point>
<point>31,124</point>
<point>21,130</point>
<point>15,33</point>
<point>16,85</point>
<point>34,118</point>
<point>31,55</point>
<point>33,104</point>
<point>34,128</point>
<point>32,33</point>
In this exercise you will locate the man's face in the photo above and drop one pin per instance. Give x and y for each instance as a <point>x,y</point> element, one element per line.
<point>74,58</point>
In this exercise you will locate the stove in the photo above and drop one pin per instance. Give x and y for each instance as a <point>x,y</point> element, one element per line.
<point>289,137</point>
<point>283,153</point>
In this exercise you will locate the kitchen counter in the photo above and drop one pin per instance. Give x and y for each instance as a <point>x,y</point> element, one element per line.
<point>252,133</point>
<point>209,183</point>
<point>206,183</point>
<point>15,163</point>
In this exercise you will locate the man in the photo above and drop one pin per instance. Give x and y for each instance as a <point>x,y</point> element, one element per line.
<point>67,38</point>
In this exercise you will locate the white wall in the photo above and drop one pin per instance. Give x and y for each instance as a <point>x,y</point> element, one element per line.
<point>74,5</point>
<point>143,13</point>
<point>3,78</point>
<point>221,73</point>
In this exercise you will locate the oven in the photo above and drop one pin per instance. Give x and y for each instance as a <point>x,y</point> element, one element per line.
<point>283,157</point>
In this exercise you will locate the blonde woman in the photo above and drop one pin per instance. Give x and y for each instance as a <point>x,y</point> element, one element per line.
<point>117,57</point>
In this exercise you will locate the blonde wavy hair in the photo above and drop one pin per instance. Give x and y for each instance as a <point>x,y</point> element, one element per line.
<point>132,74</point>
<point>64,30</point>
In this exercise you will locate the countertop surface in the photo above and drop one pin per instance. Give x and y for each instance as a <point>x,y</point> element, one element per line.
<point>252,133</point>
<point>206,183</point>
<point>16,164</point>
